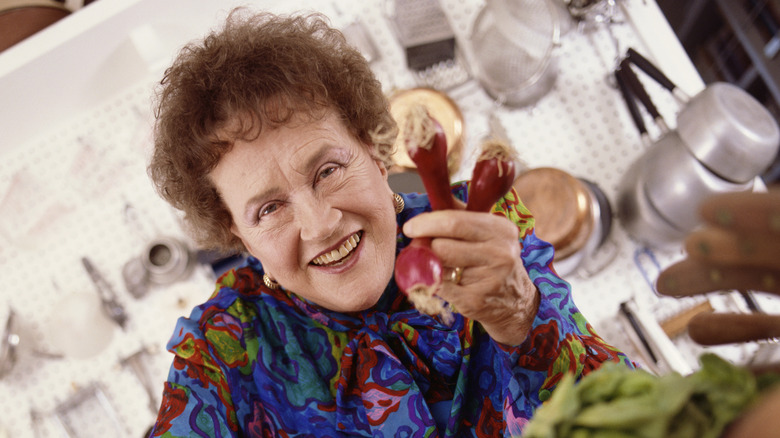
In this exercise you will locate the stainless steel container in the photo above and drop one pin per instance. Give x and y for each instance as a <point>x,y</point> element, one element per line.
<point>729,132</point>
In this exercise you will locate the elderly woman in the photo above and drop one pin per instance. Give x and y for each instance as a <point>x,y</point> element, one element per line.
<point>273,137</point>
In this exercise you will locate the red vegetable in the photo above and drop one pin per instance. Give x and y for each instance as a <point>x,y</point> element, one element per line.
<point>418,273</point>
<point>426,144</point>
<point>417,269</point>
<point>493,176</point>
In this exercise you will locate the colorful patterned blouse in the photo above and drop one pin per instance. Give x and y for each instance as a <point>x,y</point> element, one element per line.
<point>255,362</point>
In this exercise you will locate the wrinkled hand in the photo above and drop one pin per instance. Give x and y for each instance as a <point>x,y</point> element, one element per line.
<point>494,288</point>
<point>738,248</point>
<point>760,421</point>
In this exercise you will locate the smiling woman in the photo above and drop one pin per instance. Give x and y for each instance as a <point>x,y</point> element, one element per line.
<point>312,203</point>
<point>272,136</point>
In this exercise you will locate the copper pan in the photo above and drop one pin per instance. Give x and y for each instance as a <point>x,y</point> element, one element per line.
<point>20,19</point>
<point>562,208</point>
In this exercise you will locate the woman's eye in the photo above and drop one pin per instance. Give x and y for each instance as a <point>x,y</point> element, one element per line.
<point>268,209</point>
<point>328,171</point>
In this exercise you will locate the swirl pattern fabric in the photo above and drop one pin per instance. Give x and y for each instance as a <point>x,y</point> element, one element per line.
<point>256,362</point>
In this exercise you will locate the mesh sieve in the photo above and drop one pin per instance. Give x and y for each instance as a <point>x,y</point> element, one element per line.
<point>512,46</point>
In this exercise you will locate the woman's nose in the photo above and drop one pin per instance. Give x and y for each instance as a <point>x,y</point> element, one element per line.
<point>317,219</point>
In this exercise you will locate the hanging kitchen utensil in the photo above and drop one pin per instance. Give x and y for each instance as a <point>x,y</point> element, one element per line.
<point>730,132</point>
<point>166,260</point>
<point>627,93</point>
<point>136,362</point>
<point>572,214</point>
<point>632,82</point>
<point>8,345</point>
<point>78,327</point>
<point>724,127</point>
<point>582,8</point>
<point>89,410</point>
<point>429,43</point>
<point>135,277</point>
<point>108,297</point>
<point>677,181</point>
<point>424,32</point>
<point>638,216</point>
<point>561,206</point>
<point>669,358</point>
<point>513,44</point>
<point>642,220</point>
<point>656,74</point>
<point>603,213</point>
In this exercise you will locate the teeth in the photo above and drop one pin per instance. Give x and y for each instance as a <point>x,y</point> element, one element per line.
<point>339,253</point>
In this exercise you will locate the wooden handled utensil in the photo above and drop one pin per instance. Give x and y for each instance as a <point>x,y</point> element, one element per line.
<point>727,328</point>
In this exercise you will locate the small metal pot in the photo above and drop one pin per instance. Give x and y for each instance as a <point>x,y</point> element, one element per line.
<point>166,260</point>
<point>729,131</point>
<point>661,192</point>
<point>676,182</point>
<point>638,216</point>
<point>723,126</point>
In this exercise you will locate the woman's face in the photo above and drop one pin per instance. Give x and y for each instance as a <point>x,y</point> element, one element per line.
<point>313,205</point>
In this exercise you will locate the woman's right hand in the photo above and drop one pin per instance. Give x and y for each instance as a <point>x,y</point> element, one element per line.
<point>760,421</point>
<point>738,248</point>
<point>494,288</point>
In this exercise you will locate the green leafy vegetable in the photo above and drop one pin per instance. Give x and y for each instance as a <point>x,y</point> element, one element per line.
<point>615,401</point>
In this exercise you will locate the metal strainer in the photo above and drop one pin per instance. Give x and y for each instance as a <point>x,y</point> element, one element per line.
<point>512,49</point>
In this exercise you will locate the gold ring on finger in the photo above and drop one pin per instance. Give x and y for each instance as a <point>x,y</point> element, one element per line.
<point>456,274</point>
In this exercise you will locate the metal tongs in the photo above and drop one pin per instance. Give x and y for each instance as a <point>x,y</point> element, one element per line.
<point>107,295</point>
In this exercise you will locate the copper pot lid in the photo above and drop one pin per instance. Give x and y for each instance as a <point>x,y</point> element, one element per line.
<point>561,206</point>
<point>441,108</point>
<point>20,19</point>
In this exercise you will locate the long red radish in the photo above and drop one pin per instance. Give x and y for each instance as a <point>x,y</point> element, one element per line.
<point>493,176</point>
<point>426,144</point>
<point>418,269</point>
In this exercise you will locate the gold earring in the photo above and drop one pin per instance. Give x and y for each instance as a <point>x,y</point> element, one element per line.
<point>270,283</point>
<point>399,203</point>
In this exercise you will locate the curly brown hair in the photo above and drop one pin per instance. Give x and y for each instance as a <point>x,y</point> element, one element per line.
<point>253,74</point>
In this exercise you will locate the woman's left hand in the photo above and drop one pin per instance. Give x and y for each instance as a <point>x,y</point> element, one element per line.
<point>494,287</point>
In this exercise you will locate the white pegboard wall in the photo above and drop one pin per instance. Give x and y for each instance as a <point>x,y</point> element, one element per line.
<point>86,174</point>
<point>83,172</point>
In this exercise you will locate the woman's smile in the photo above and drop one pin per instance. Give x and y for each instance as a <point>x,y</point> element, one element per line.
<point>338,256</point>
